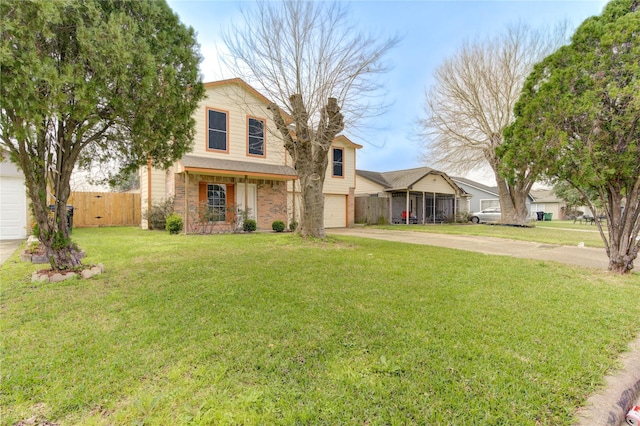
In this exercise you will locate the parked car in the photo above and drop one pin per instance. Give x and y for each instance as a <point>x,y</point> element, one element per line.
<point>489,215</point>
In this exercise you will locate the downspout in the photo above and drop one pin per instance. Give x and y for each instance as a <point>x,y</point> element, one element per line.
<point>148,189</point>
<point>293,198</point>
<point>186,201</point>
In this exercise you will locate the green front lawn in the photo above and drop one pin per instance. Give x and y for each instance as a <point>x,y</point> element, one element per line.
<point>267,329</point>
<point>562,232</point>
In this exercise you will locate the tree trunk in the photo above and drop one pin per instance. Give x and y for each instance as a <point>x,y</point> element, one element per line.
<point>312,211</point>
<point>53,231</point>
<point>310,153</point>
<point>513,202</point>
<point>622,244</point>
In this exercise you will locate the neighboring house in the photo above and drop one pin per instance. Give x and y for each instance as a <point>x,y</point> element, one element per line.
<point>420,195</point>
<point>14,214</point>
<point>239,166</point>
<point>544,200</point>
<point>484,196</point>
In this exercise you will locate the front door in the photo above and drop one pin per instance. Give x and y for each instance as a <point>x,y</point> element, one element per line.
<point>248,199</point>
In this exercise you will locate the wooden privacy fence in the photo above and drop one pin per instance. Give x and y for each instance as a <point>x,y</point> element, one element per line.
<point>105,209</point>
<point>372,210</point>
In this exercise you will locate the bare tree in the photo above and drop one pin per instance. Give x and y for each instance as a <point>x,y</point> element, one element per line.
<point>321,74</point>
<point>471,103</point>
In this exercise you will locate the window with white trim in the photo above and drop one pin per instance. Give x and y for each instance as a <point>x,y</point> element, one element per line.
<point>217,201</point>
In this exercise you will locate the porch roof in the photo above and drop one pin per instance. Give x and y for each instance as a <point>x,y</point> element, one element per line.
<point>195,163</point>
<point>402,180</point>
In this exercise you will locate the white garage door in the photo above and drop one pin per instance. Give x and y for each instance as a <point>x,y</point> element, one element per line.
<point>13,208</point>
<point>335,211</point>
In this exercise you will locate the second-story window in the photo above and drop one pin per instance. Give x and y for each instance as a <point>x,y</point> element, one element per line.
<point>217,126</point>
<point>338,154</point>
<point>256,136</point>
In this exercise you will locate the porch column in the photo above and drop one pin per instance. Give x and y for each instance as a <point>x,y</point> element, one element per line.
<point>246,199</point>
<point>424,207</point>
<point>186,201</point>
<point>406,219</point>
<point>434,208</point>
<point>455,211</point>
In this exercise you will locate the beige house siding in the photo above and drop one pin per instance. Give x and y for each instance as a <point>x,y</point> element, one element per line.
<point>366,187</point>
<point>433,183</point>
<point>550,207</point>
<point>341,185</point>
<point>152,190</point>
<point>239,103</point>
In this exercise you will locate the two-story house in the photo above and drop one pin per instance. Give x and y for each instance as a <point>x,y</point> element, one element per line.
<point>239,166</point>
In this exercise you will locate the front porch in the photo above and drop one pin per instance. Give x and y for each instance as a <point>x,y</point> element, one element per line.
<point>412,207</point>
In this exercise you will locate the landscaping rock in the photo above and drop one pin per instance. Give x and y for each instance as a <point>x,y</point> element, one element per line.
<point>51,277</point>
<point>37,276</point>
<point>26,257</point>
<point>39,258</point>
<point>56,278</point>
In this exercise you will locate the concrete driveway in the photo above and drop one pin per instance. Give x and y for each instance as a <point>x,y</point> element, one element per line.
<point>580,256</point>
<point>7,247</point>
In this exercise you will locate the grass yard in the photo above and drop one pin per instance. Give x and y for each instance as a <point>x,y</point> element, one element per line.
<point>268,329</point>
<point>562,232</point>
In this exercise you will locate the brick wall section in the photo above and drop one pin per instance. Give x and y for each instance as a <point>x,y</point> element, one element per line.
<point>272,199</point>
<point>272,203</point>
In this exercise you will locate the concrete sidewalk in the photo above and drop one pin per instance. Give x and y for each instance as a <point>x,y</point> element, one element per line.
<point>622,388</point>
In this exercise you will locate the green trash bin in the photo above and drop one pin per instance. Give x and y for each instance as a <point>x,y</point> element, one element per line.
<point>548,216</point>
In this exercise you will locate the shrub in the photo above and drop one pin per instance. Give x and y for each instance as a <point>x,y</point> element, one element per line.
<point>293,225</point>
<point>249,225</point>
<point>278,226</point>
<point>174,223</point>
<point>157,216</point>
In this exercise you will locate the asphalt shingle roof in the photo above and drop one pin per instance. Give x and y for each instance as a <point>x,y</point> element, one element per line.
<point>193,161</point>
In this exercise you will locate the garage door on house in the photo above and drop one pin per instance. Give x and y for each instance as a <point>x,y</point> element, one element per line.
<point>335,211</point>
<point>13,208</point>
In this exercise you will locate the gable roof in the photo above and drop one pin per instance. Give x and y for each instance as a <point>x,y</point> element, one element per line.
<point>403,179</point>
<point>477,185</point>
<point>239,82</point>
<point>544,196</point>
<point>347,141</point>
<point>493,190</point>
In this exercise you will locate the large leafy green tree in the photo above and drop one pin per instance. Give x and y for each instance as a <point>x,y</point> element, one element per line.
<point>579,118</point>
<point>90,82</point>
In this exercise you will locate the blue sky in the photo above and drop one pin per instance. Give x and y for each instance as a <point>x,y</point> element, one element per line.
<point>430,30</point>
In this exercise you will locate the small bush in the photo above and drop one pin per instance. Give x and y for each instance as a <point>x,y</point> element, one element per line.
<point>157,216</point>
<point>174,223</point>
<point>249,225</point>
<point>278,226</point>
<point>293,225</point>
